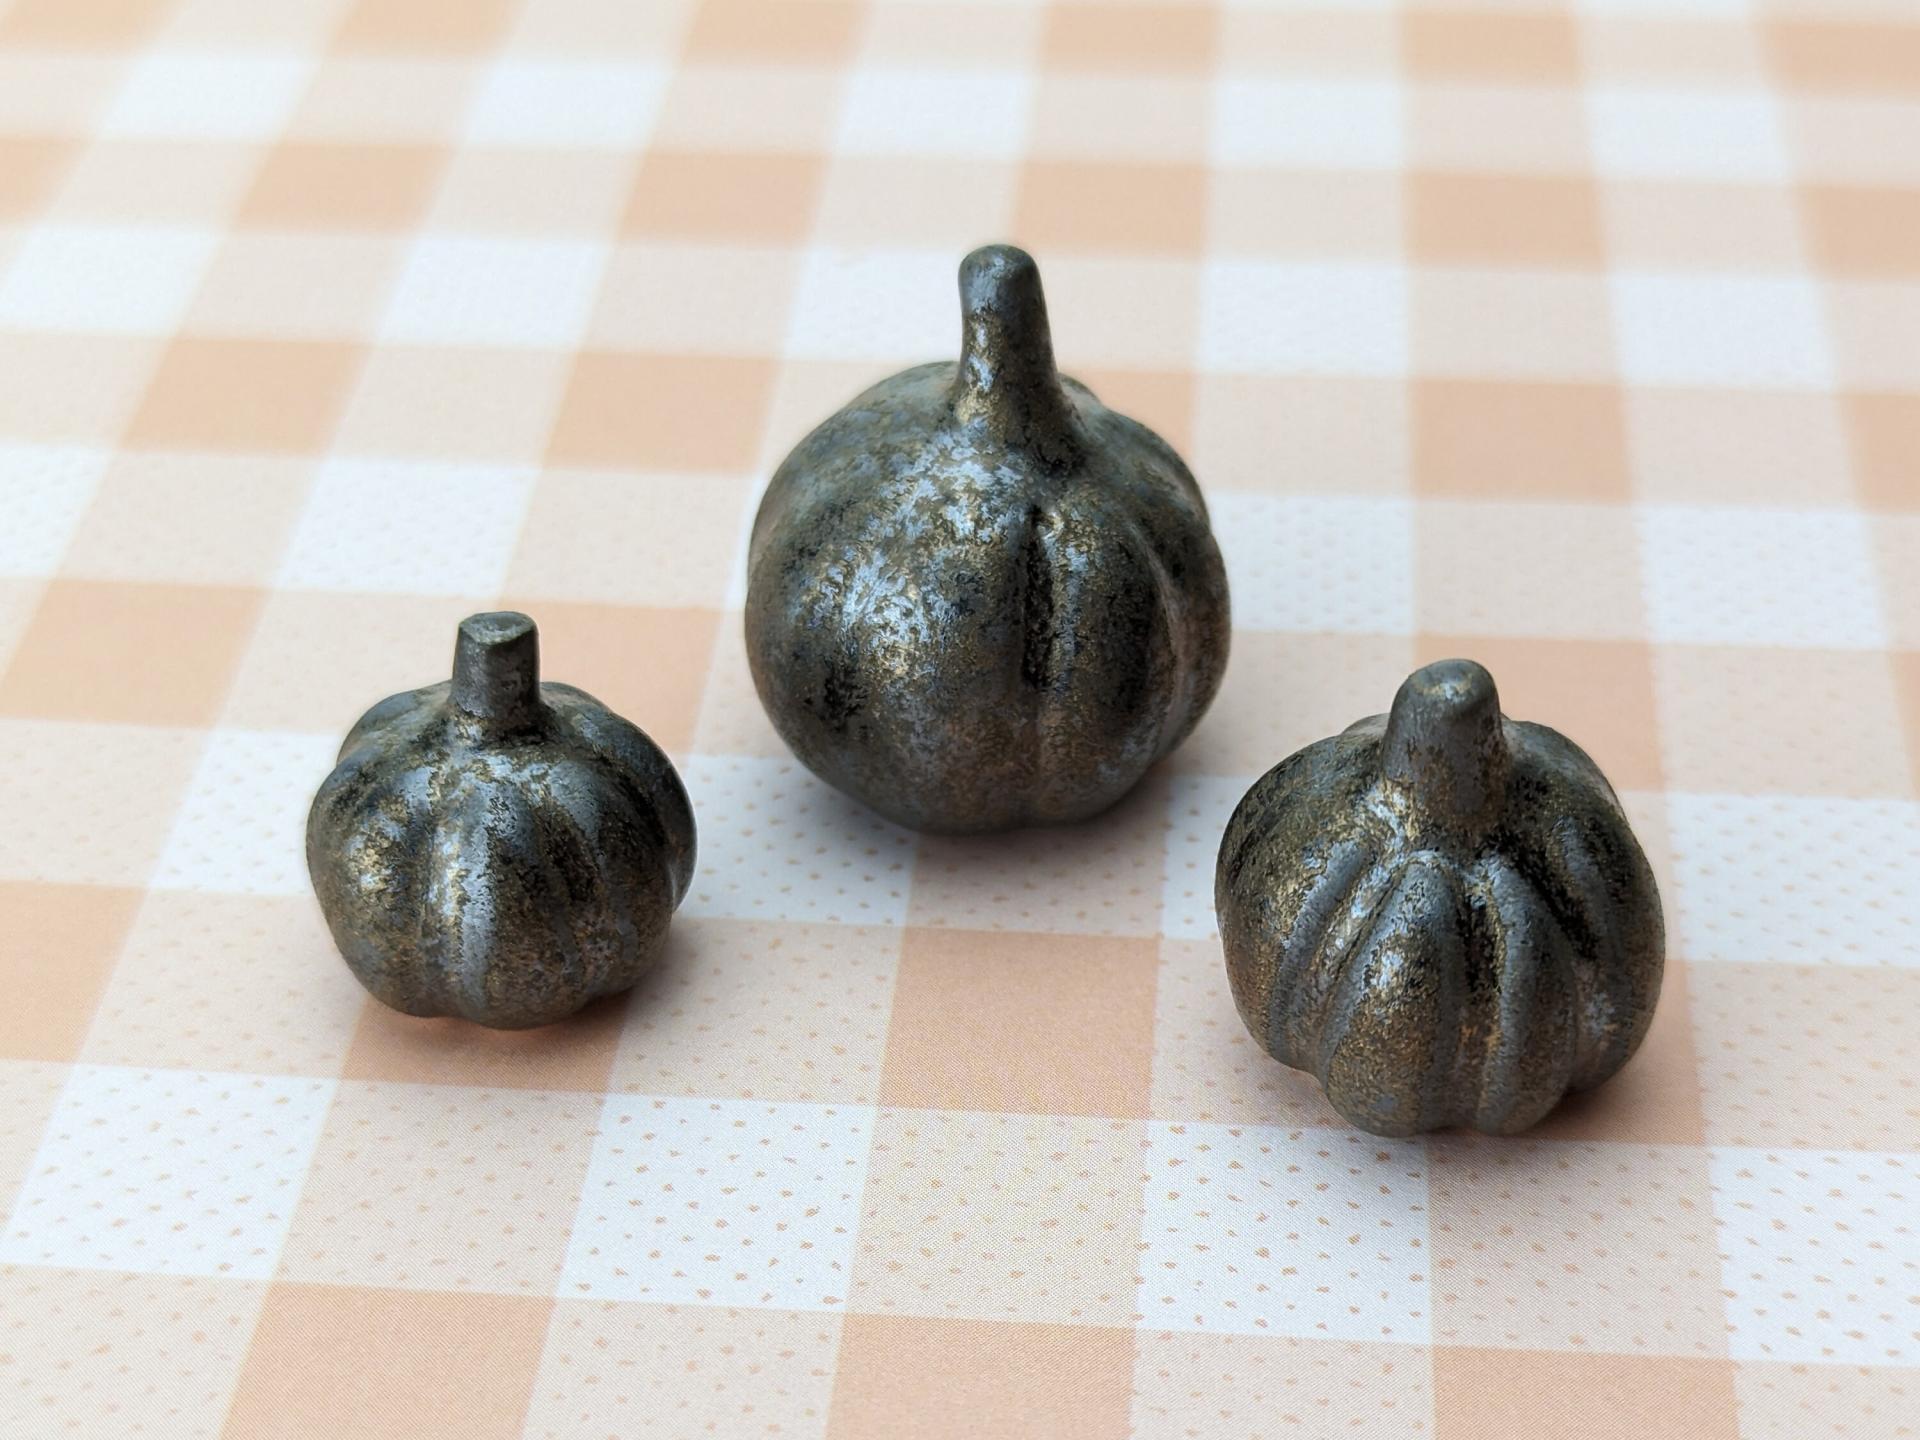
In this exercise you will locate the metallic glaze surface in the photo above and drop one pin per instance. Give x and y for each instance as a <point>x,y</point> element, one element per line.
<point>496,848</point>
<point>977,598</point>
<point>1441,914</point>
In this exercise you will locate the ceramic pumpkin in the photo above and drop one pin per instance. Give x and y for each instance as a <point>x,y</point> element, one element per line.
<point>1440,913</point>
<point>978,598</point>
<point>497,848</point>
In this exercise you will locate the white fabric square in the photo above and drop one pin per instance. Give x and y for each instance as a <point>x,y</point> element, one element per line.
<point>709,1202</point>
<point>168,1172</point>
<point>1819,1263</point>
<point>241,829</point>
<point>44,492</point>
<point>1747,575</point>
<point>567,103</point>
<point>488,290</point>
<point>119,279</point>
<point>177,95</point>
<point>1258,1230</point>
<point>1259,317</point>
<point>408,528</point>
<point>1739,330</point>
<point>879,305</point>
<point>1660,134</point>
<point>1317,563</point>
<point>1198,808</point>
<point>778,844</point>
<point>902,110</point>
<point>1307,124</point>
<point>1794,880</point>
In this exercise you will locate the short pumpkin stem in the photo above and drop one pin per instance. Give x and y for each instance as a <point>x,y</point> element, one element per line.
<point>1007,378</point>
<point>496,670</point>
<point>1446,744</point>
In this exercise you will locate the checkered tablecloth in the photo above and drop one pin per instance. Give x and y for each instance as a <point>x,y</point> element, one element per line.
<point>1581,338</point>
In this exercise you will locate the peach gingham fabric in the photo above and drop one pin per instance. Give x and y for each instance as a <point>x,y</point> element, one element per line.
<point>1582,338</point>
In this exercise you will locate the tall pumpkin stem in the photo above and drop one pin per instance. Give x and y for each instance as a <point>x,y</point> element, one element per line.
<point>496,671</point>
<point>1446,745</point>
<point>1007,379</point>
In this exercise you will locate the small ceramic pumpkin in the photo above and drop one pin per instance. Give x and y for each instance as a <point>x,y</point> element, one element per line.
<point>1441,913</point>
<point>496,848</point>
<point>977,598</point>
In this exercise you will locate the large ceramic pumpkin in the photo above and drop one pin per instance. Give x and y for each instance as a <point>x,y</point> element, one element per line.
<point>978,598</point>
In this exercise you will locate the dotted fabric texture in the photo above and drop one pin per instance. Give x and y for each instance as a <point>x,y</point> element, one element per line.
<point>1582,338</point>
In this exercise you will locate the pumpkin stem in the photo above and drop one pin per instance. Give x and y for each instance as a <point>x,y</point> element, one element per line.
<point>496,670</point>
<point>1007,378</point>
<point>1446,744</point>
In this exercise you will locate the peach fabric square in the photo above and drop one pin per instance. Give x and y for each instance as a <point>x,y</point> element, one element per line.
<point>1578,336</point>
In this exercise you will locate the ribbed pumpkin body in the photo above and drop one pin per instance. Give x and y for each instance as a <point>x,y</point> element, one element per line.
<point>978,598</point>
<point>1443,915</point>
<point>504,868</point>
